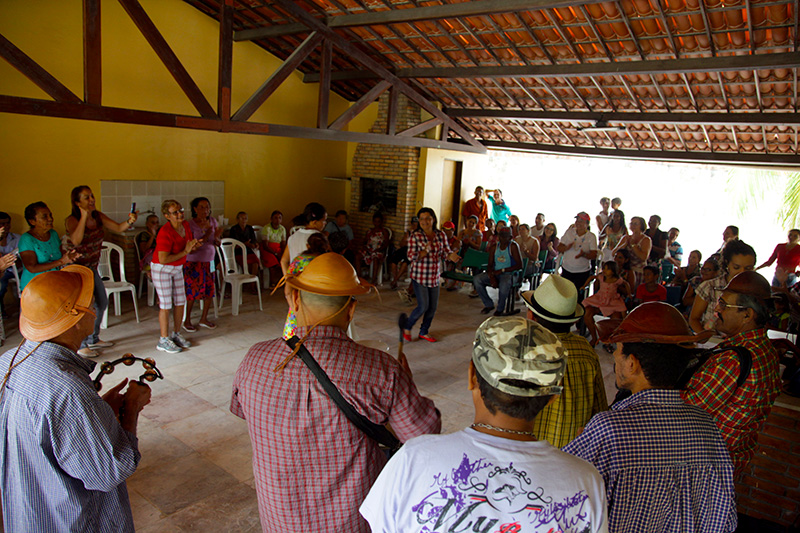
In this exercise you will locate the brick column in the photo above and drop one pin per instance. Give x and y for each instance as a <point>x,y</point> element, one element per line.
<point>384,162</point>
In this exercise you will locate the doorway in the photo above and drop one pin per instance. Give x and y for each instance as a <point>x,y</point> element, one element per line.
<point>450,208</point>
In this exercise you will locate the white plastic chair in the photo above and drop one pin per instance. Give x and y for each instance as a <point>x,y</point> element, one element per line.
<point>384,266</point>
<point>233,276</point>
<point>144,279</point>
<point>16,279</point>
<point>114,288</point>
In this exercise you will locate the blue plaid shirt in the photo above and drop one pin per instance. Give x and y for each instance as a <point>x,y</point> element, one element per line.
<point>64,457</point>
<point>665,465</point>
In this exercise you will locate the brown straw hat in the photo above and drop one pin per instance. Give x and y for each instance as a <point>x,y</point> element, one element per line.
<point>751,283</point>
<point>656,322</point>
<point>329,274</point>
<point>55,301</point>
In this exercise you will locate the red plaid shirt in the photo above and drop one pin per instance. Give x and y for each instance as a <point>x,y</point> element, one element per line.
<point>426,270</point>
<point>312,466</point>
<point>738,412</point>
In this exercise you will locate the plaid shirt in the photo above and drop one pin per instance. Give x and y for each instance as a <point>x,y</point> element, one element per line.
<point>664,463</point>
<point>312,466</point>
<point>584,394</point>
<point>426,270</point>
<point>738,412</point>
<point>710,291</point>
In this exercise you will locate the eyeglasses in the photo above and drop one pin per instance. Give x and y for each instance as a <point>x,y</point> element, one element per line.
<point>175,212</point>
<point>724,305</point>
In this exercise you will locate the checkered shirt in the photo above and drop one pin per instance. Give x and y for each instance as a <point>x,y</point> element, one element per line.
<point>584,394</point>
<point>664,463</point>
<point>312,466</point>
<point>710,291</point>
<point>739,412</point>
<point>63,454</point>
<point>426,270</point>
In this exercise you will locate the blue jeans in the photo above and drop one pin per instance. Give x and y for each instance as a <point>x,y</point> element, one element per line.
<point>482,282</point>
<point>8,275</point>
<point>427,302</point>
<point>791,280</point>
<point>100,306</point>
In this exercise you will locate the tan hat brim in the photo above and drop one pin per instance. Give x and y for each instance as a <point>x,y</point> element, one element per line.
<point>538,310</point>
<point>62,321</point>
<point>607,330</point>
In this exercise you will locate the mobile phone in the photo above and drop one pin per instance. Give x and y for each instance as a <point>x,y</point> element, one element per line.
<point>133,207</point>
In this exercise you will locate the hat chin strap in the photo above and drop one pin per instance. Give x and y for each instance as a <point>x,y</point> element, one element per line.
<point>280,366</point>
<point>75,309</point>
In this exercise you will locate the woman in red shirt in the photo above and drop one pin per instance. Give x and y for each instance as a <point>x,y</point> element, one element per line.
<point>788,256</point>
<point>173,243</point>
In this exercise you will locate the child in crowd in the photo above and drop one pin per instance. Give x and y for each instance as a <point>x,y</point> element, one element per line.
<point>377,242</point>
<point>455,244</point>
<point>489,232</point>
<point>609,300</point>
<point>650,290</point>
<point>781,317</point>
<point>316,245</point>
<point>470,236</point>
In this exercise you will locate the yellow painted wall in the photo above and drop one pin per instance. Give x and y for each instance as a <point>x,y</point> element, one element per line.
<point>431,169</point>
<point>43,158</point>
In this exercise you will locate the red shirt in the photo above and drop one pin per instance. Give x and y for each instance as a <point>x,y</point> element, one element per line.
<point>312,466</point>
<point>659,295</point>
<point>478,208</point>
<point>168,240</point>
<point>787,259</point>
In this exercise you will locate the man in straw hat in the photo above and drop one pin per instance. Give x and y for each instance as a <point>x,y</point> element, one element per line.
<point>554,304</point>
<point>664,462</point>
<point>742,311</point>
<point>312,466</point>
<point>65,452</point>
<point>494,475</point>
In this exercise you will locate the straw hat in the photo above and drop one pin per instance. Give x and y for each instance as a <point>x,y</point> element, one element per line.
<point>329,274</point>
<point>55,301</point>
<point>555,300</point>
<point>751,283</point>
<point>651,322</point>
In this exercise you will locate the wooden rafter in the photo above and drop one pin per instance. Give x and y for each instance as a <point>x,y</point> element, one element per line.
<point>159,45</point>
<point>92,57</point>
<point>225,76</point>
<point>34,72</point>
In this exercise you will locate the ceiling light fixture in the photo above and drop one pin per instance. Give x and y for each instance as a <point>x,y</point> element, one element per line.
<point>602,125</point>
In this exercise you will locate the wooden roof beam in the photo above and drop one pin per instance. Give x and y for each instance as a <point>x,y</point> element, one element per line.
<point>788,60</point>
<point>715,119</point>
<point>414,14</point>
<point>34,72</point>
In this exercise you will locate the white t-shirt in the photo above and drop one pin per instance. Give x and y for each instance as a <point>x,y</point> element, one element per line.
<point>536,232</point>
<point>470,481</point>
<point>297,242</point>
<point>586,242</point>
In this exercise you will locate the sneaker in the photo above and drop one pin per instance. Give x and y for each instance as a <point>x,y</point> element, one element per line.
<point>178,339</point>
<point>166,345</point>
<point>87,352</point>
<point>101,344</point>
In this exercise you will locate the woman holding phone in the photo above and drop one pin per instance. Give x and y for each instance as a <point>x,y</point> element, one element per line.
<point>86,231</point>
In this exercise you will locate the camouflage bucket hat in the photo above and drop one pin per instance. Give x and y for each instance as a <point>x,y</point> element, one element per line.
<point>515,348</point>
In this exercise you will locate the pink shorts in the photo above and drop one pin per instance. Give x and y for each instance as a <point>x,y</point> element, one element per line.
<point>168,281</point>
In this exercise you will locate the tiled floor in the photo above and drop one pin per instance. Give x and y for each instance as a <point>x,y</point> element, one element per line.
<point>196,473</point>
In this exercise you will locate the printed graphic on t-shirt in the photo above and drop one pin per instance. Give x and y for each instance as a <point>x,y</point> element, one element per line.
<point>488,498</point>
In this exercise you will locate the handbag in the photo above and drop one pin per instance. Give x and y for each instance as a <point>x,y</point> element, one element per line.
<point>387,441</point>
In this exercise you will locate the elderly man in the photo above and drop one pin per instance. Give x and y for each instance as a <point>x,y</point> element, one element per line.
<point>742,312</point>
<point>65,452</point>
<point>554,304</point>
<point>313,467</point>
<point>579,246</point>
<point>664,462</point>
<point>476,207</point>
<point>504,259</point>
<point>494,475</point>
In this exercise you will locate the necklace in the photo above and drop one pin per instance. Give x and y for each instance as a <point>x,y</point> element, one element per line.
<point>502,430</point>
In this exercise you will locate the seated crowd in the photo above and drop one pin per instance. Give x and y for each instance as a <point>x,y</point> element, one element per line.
<point>545,452</point>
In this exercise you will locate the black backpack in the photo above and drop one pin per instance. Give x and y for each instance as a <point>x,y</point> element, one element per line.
<point>701,356</point>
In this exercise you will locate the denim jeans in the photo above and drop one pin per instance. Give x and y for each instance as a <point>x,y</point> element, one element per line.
<point>482,282</point>
<point>427,302</point>
<point>100,306</point>
<point>8,275</point>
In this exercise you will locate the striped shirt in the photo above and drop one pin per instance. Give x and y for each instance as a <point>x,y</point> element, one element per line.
<point>312,466</point>
<point>739,412</point>
<point>584,394</point>
<point>664,463</point>
<point>64,457</point>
